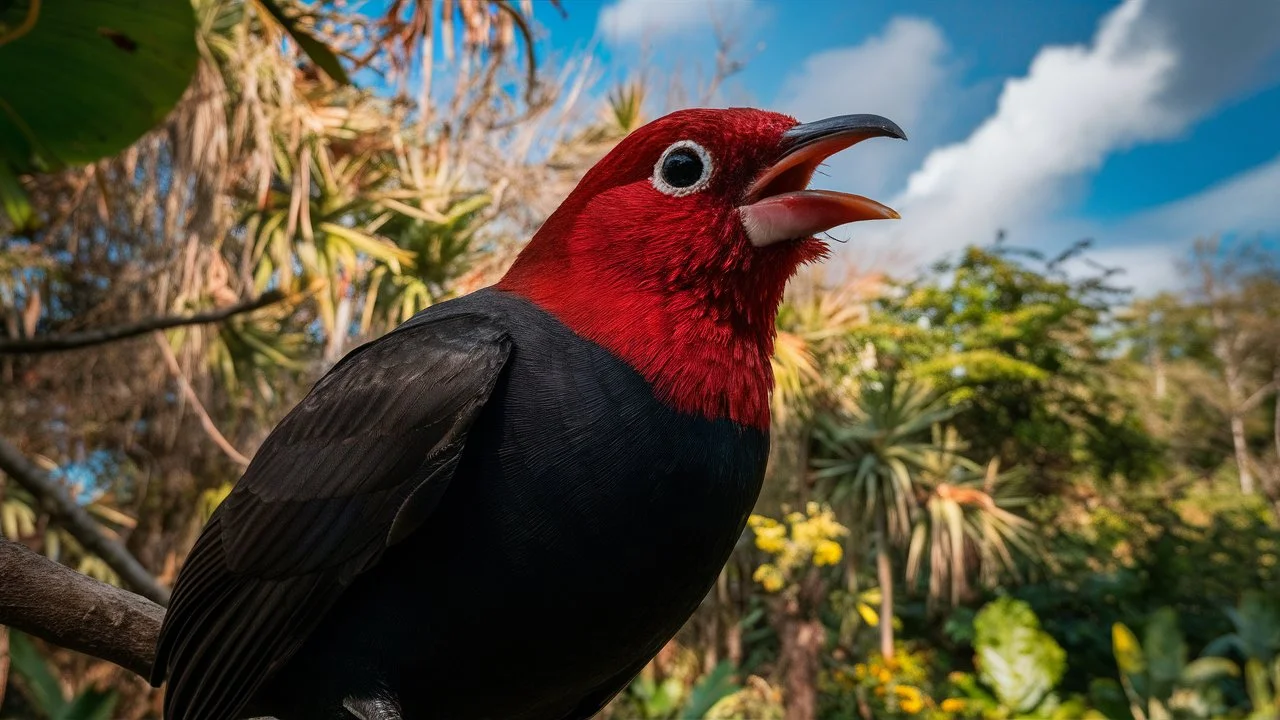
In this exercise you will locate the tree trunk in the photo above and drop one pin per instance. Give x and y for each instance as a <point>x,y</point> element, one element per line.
<point>1239,441</point>
<point>1161,376</point>
<point>1275,375</point>
<point>1271,485</point>
<point>1227,347</point>
<point>802,640</point>
<point>884,571</point>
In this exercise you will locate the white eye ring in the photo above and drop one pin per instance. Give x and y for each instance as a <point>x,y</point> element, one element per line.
<point>667,188</point>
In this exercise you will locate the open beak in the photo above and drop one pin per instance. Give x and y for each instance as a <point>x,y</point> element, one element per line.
<point>779,206</point>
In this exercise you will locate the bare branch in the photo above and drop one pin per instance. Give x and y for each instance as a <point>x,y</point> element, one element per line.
<point>1254,400</point>
<point>72,341</point>
<point>210,428</point>
<point>79,523</point>
<point>57,604</point>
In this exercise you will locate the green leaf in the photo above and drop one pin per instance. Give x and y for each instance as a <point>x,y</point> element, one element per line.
<point>90,705</point>
<point>1257,621</point>
<point>1165,650</point>
<point>1205,670</point>
<point>1127,650</point>
<point>89,78</point>
<point>1258,684</point>
<point>375,247</point>
<point>1017,659</point>
<point>319,53</point>
<point>14,199</point>
<point>40,686</point>
<point>709,690</point>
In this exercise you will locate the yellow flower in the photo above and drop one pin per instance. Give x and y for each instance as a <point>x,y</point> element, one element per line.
<point>828,552</point>
<point>953,705</point>
<point>771,538</point>
<point>909,698</point>
<point>771,545</point>
<point>769,576</point>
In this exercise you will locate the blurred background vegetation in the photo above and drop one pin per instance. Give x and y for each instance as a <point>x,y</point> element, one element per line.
<point>997,490</point>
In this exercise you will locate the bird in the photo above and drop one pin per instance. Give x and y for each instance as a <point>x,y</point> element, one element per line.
<point>507,505</point>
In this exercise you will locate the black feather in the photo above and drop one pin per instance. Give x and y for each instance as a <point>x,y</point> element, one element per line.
<point>481,515</point>
<point>318,506</point>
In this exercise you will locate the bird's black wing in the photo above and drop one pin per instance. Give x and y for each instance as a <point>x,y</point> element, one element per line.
<point>355,467</point>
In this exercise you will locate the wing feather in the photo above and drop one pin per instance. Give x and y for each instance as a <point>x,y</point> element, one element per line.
<point>358,465</point>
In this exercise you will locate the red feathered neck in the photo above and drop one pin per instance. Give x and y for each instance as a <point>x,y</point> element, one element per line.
<point>700,332</point>
<point>668,282</point>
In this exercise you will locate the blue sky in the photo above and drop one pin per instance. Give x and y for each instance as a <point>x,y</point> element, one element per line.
<point>1142,124</point>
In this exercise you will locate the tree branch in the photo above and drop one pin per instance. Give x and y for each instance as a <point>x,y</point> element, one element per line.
<point>1254,400</point>
<point>210,428</point>
<point>72,341</point>
<point>57,604</point>
<point>79,523</point>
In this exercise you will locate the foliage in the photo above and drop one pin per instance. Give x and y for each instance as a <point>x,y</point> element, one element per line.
<point>676,692</point>
<point>758,700</point>
<point>876,453</point>
<point>43,691</point>
<point>118,71</point>
<point>1015,658</point>
<point>968,521</point>
<point>1157,678</point>
<point>1263,684</point>
<point>1121,558</point>
<point>901,687</point>
<point>1017,345</point>
<point>1019,665</point>
<point>1256,620</point>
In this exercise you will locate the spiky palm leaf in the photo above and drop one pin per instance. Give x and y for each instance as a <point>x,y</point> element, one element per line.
<point>875,454</point>
<point>967,525</point>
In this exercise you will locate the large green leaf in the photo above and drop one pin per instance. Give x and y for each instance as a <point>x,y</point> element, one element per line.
<point>319,53</point>
<point>90,705</point>
<point>87,79</point>
<point>41,687</point>
<point>1165,651</point>
<point>1015,658</point>
<point>713,686</point>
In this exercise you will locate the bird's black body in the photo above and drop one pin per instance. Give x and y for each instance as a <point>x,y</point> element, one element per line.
<point>481,515</point>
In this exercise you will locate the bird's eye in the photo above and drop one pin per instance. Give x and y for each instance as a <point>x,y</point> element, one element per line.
<point>683,169</point>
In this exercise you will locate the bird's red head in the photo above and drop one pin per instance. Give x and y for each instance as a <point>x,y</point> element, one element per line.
<point>673,252</point>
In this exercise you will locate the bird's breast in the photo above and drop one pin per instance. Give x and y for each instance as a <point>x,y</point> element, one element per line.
<point>587,519</point>
<point>587,483</point>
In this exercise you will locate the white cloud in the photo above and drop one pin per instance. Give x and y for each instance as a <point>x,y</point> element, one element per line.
<point>1152,69</point>
<point>898,74</point>
<point>1247,204</point>
<point>639,21</point>
<point>1156,241</point>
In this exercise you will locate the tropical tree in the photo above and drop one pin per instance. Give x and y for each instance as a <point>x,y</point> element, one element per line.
<point>1014,336</point>
<point>874,457</point>
<point>967,524</point>
<point>898,469</point>
<point>1238,294</point>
